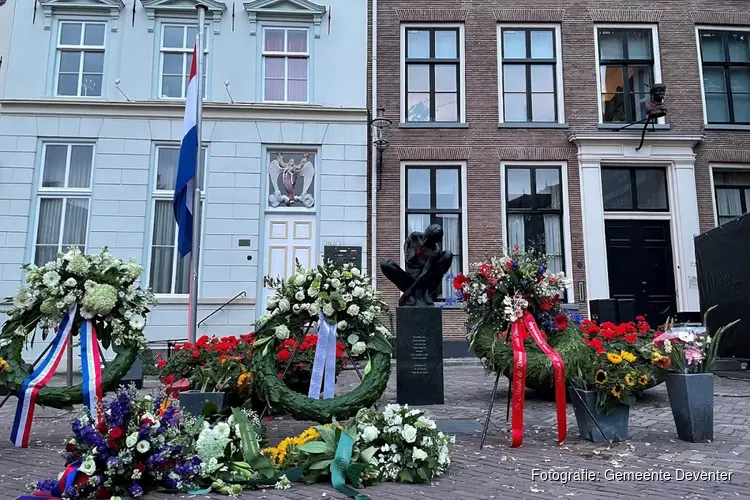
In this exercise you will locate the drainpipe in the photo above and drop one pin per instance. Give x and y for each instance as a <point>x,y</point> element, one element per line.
<point>373,151</point>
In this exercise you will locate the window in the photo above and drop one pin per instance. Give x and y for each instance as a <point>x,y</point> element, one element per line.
<point>434,197</point>
<point>285,64</point>
<point>626,73</point>
<point>432,75</point>
<point>175,59</point>
<point>64,196</point>
<point>534,204</point>
<point>529,75</point>
<point>634,189</point>
<point>170,274</point>
<point>725,57</point>
<point>80,59</point>
<point>732,194</point>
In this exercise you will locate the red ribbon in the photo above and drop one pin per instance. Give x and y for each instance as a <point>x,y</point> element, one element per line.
<point>521,329</point>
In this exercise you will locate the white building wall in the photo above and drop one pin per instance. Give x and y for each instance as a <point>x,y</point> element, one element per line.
<point>6,31</point>
<point>236,135</point>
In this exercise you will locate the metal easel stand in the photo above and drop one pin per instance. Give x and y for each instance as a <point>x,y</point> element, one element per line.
<point>296,350</point>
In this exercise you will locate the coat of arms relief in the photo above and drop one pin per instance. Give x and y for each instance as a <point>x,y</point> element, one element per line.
<point>296,176</point>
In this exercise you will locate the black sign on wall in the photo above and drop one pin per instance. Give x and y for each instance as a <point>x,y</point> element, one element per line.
<point>343,255</point>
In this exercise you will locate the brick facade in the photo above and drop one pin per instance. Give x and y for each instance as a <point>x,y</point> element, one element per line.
<point>483,145</point>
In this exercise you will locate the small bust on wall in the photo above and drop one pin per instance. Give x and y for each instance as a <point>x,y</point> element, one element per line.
<point>425,265</point>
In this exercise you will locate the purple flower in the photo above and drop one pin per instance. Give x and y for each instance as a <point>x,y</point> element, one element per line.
<point>541,269</point>
<point>46,484</point>
<point>71,492</point>
<point>113,462</point>
<point>135,490</point>
<point>514,263</point>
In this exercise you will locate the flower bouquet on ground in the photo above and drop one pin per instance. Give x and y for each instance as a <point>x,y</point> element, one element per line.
<point>141,446</point>
<point>498,293</point>
<point>634,337</point>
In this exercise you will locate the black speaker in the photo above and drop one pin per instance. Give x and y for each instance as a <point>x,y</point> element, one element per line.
<point>626,310</point>
<point>602,310</point>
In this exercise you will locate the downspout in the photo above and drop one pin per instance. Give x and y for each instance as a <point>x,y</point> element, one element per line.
<point>373,151</point>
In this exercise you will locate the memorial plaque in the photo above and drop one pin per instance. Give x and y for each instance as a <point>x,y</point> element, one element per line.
<point>419,356</point>
<point>344,255</point>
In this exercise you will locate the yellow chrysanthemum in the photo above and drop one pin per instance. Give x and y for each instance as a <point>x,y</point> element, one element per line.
<point>278,454</point>
<point>627,356</point>
<point>3,366</point>
<point>243,380</point>
<point>630,379</point>
<point>617,390</point>
<point>614,358</point>
<point>601,377</point>
<point>643,380</point>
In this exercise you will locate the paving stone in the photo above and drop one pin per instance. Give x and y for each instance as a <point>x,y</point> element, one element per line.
<point>497,471</point>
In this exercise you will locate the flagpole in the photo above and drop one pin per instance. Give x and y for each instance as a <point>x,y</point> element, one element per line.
<point>197,211</point>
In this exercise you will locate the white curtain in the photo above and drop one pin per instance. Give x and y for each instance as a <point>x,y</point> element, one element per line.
<point>516,232</point>
<point>729,204</point>
<point>163,247</point>
<point>452,243</point>
<point>417,223</point>
<point>48,232</point>
<point>553,243</point>
<point>80,166</point>
<point>76,220</point>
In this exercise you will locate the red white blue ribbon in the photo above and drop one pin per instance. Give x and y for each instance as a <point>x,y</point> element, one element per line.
<point>325,360</point>
<point>92,377</point>
<point>67,479</point>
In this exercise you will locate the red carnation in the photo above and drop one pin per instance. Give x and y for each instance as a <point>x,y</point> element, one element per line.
<point>195,354</point>
<point>115,433</point>
<point>545,304</point>
<point>70,447</point>
<point>491,292</point>
<point>284,355</point>
<point>597,345</point>
<point>102,427</point>
<point>459,281</point>
<point>81,480</point>
<point>112,444</point>
<point>485,270</point>
<point>169,379</point>
<point>161,364</point>
<point>139,467</point>
<point>561,322</point>
<point>631,338</point>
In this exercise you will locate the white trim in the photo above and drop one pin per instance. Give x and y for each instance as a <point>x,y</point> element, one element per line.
<point>461,68</point>
<point>463,175</point>
<point>373,150</point>
<point>712,167</point>
<point>709,27</point>
<point>567,239</point>
<point>657,58</point>
<point>559,84</point>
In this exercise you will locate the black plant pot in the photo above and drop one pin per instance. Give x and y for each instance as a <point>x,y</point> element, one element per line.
<point>614,424</point>
<point>691,397</point>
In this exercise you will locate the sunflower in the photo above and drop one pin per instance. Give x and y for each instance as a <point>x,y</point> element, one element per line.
<point>617,390</point>
<point>601,377</point>
<point>627,356</point>
<point>614,358</point>
<point>630,379</point>
<point>643,380</point>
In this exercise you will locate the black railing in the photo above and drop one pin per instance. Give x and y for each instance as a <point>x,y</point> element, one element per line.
<point>241,294</point>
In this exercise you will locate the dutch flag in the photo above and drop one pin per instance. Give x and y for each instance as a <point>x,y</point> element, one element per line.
<point>186,167</point>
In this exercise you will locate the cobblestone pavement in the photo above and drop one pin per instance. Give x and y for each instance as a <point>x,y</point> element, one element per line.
<point>497,471</point>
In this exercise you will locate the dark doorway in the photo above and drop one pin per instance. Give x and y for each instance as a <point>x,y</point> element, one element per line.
<point>639,260</point>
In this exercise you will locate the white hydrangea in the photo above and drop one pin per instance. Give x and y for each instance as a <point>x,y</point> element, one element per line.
<point>353,310</point>
<point>282,332</point>
<point>359,348</point>
<point>419,454</point>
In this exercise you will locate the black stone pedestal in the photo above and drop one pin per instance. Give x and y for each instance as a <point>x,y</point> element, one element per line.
<point>419,356</point>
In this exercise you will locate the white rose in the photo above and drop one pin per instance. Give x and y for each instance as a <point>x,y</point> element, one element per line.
<point>70,282</point>
<point>355,271</point>
<point>131,440</point>
<point>358,292</point>
<point>69,299</point>
<point>341,325</point>
<point>353,310</point>
<point>282,332</point>
<point>409,433</point>
<point>314,309</point>
<point>328,309</point>
<point>419,454</point>
<point>143,446</point>
<point>88,467</point>
<point>272,303</point>
<point>443,455</point>
<point>358,348</point>
<point>296,308</point>
<point>335,283</point>
<point>312,291</point>
<point>370,433</point>
<point>299,279</point>
<point>284,305</point>
<point>300,295</point>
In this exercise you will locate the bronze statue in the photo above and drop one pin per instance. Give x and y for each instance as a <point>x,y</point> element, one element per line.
<point>426,264</point>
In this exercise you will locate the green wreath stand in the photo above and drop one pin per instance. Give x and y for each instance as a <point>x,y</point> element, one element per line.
<point>276,394</point>
<point>62,397</point>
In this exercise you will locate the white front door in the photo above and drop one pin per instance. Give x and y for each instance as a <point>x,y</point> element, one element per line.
<point>289,238</point>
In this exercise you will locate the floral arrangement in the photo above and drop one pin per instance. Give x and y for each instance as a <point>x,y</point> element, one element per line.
<point>105,289</point>
<point>300,372</point>
<point>497,293</point>
<point>341,293</point>
<point>140,446</point>
<point>688,350</point>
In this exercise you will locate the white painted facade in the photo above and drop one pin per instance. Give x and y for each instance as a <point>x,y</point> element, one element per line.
<point>6,31</point>
<point>129,124</point>
<point>674,153</point>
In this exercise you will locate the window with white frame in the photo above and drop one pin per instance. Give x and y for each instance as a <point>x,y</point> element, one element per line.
<point>627,68</point>
<point>732,194</point>
<point>169,273</point>
<point>63,201</point>
<point>286,61</point>
<point>530,74</point>
<point>176,58</point>
<point>725,58</point>
<point>432,74</point>
<point>534,208</point>
<point>80,59</point>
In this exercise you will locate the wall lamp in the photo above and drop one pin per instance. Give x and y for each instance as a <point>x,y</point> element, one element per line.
<point>379,124</point>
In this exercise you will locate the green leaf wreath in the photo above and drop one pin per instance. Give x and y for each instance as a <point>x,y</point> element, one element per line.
<point>106,292</point>
<point>345,297</point>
